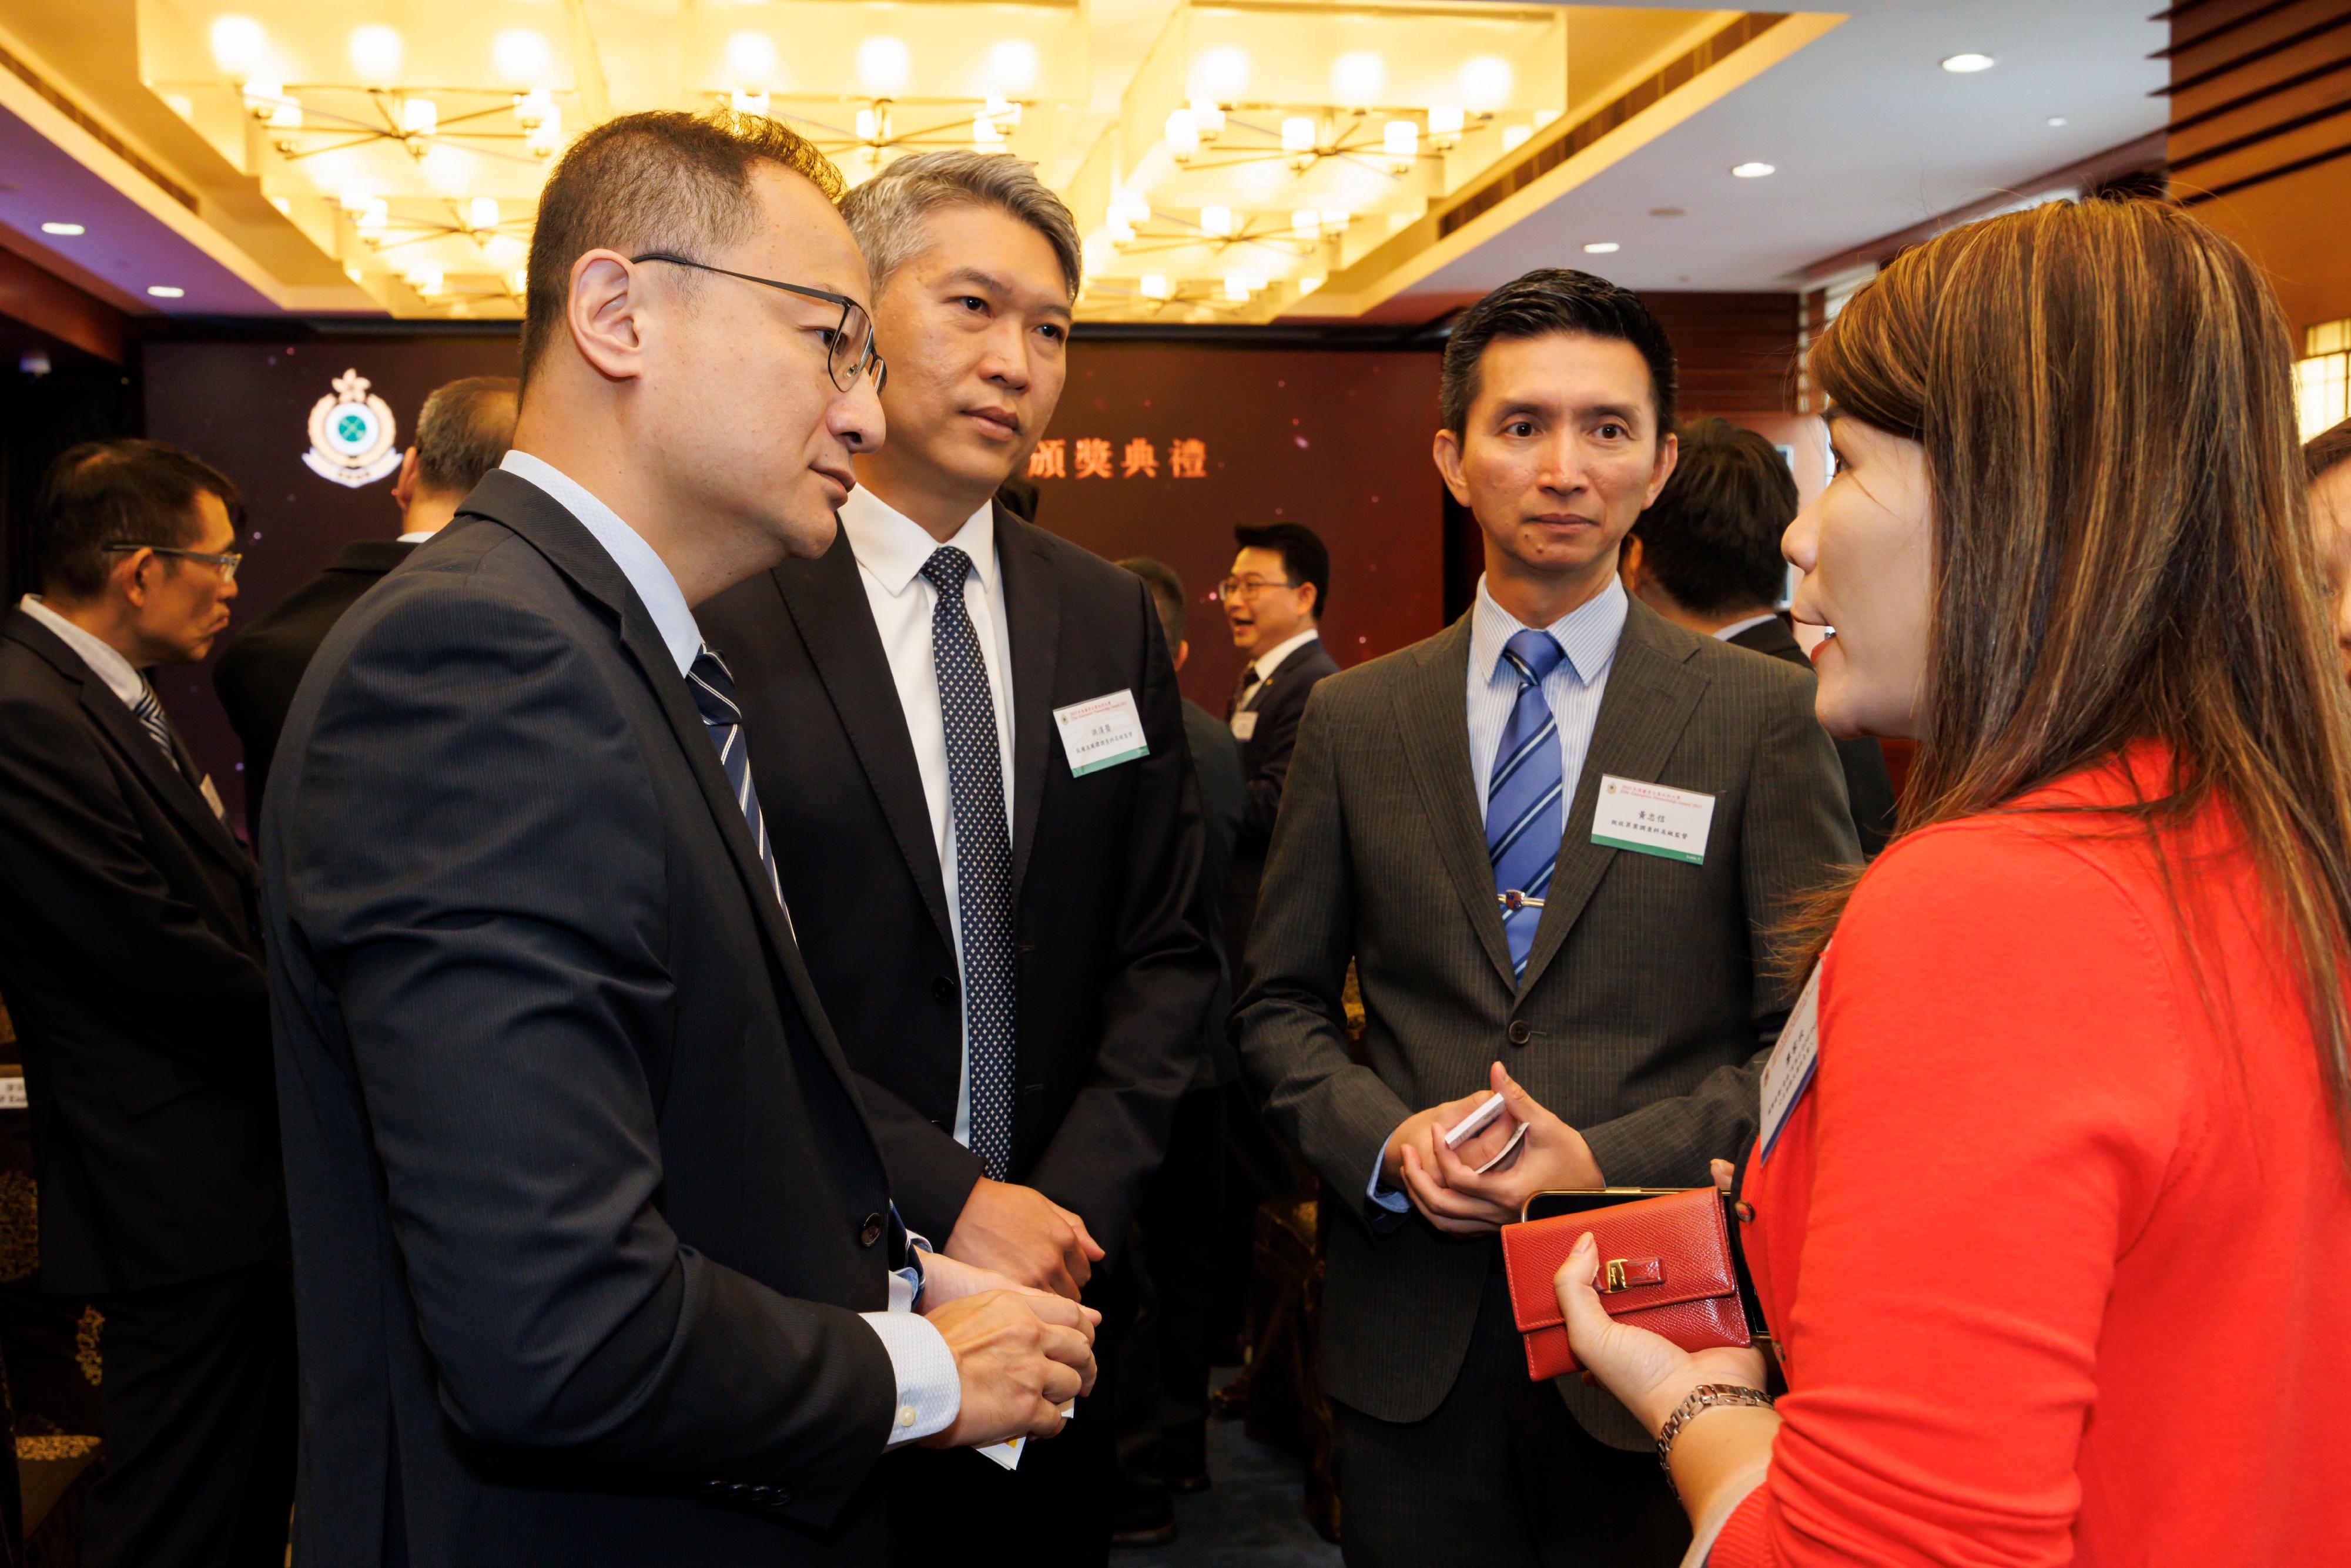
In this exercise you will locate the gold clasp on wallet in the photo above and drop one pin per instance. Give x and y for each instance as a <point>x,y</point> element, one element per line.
<point>1616,1275</point>
<point>1624,1273</point>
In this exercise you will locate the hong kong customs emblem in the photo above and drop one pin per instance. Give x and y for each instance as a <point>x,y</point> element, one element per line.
<point>352,439</point>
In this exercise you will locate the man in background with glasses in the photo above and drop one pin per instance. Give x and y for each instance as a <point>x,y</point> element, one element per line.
<point>984,813</point>
<point>595,1249</point>
<point>130,956</point>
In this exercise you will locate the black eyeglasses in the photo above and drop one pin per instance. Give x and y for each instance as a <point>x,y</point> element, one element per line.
<point>849,350</point>
<point>224,564</point>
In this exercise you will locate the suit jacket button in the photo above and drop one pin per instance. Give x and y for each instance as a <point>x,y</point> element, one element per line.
<point>944,989</point>
<point>873,1231</point>
<point>1518,1033</point>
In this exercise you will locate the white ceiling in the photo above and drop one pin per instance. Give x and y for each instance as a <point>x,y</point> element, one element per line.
<point>1870,136</point>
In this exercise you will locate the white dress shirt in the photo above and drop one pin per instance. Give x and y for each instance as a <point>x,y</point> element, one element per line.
<point>930,1393</point>
<point>1589,634</point>
<point>104,661</point>
<point>1262,668</point>
<point>420,535</point>
<point>1753,622</point>
<point>891,549</point>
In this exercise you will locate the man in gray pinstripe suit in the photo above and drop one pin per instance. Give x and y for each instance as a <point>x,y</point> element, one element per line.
<point>1442,828</point>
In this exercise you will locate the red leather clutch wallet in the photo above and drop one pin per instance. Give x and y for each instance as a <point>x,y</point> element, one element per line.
<point>1666,1264</point>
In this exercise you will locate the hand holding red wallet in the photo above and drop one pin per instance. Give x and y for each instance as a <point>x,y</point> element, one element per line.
<point>1445,1184</point>
<point>1648,1372</point>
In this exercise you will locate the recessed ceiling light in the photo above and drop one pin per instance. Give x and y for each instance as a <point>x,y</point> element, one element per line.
<point>1668,213</point>
<point>1967,63</point>
<point>1753,170</point>
<point>2055,120</point>
<point>1601,247</point>
<point>165,291</point>
<point>68,230</point>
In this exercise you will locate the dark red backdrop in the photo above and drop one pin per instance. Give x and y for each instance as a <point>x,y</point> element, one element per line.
<point>1337,439</point>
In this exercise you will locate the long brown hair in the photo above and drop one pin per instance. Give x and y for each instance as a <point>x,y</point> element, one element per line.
<point>2121,543</point>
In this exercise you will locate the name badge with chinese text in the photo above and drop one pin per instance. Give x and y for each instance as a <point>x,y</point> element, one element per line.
<point>1244,725</point>
<point>1101,732</point>
<point>1652,820</point>
<point>1789,1072</point>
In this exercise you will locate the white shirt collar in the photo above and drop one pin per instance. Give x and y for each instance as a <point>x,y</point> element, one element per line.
<point>104,661</point>
<point>1265,663</point>
<point>645,570</point>
<point>1588,632</point>
<point>1753,622</point>
<point>421,536</point>
<point>893,548</point>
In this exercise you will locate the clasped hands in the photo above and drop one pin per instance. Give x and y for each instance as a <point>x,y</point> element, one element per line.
<point>1444,1184</point>
<point>1004,1296</point>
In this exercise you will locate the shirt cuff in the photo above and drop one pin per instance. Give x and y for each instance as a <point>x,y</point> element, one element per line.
<point>1379,1192</point>
<point>930,1393</point>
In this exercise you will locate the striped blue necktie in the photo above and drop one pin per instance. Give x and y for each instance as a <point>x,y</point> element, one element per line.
<point>983,862</point>
<point>713,685</point>
<point>148,711</point>
<point>1523,803</point>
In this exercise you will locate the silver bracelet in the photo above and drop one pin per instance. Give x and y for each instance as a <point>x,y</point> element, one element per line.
<point>1704,1396</point>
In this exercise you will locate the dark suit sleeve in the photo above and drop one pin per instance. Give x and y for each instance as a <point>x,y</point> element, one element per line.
<point>1116,1131</point>
<point>493,943</point>
<point>1287,1027</point>
<point>77,855</point>
<point>255,698</point>
<point>1795,832</point>
<point>931,1175</point>
<point>1273,743</point>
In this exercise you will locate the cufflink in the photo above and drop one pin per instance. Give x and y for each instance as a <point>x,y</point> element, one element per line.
<point>905,1415</point>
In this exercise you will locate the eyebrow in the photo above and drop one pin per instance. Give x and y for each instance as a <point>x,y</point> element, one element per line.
<point>1000,287</point>
<point>1596,411</point>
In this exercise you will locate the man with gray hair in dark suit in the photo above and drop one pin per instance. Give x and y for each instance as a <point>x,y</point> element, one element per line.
<point>1554,838</point>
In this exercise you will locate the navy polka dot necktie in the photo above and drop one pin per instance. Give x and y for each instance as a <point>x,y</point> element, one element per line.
<point>713,685</point>
<point>983,862</point>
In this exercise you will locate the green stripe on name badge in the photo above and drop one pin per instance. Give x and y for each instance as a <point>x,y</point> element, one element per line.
<point>1664,854</point>
<point>1140,750</point>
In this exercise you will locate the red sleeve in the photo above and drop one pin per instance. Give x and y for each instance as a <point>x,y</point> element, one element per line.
<point>2000,1088</point>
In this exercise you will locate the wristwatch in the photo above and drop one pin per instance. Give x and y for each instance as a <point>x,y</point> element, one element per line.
<point>1704,1396</point>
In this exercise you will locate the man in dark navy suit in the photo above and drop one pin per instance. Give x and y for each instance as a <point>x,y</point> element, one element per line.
<point>594,1248</point>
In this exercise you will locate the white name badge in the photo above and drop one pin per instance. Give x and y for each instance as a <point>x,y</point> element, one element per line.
<point>11,1094</point>
<point>1101,732</point>
<point>1244,725</point>
<point>1789,1072</point>
<point>1008,1453</point>
<point>1651,820</point>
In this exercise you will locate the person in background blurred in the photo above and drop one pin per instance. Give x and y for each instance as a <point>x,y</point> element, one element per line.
<point>465,428</point>
<point>1182,1218</point>
<point>2063,1159</point>
<point>130,954</point>
<point>1706,555</point>
<point>2329,460</point>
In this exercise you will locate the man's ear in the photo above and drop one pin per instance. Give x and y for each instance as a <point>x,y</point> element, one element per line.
<point>131,575</point>
<point>602,313</point>
<point>1669,452</point>
<point>404,488</point>
<point>1628,563</point>
<point>1447,450</point>
<point>1310,599</point>
<point>1183,651</point>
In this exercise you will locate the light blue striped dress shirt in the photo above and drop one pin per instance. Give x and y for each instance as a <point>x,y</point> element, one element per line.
<point>1589,634</point>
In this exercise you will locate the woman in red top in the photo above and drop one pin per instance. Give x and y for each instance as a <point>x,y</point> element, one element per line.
<point>2056,1244</point>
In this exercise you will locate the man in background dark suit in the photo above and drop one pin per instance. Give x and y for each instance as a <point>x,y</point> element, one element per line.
<point>1184,1208</point>
<point>465,428</point>
<point>1706,555</point>
<point>1458,821</point>
<point>130,954</point>
<point>984,820</point>
<point>594,1247</point>
<point>1274,600</point>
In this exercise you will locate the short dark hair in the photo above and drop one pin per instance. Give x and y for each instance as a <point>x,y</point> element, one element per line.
<point>1166,592</point>
<point>1547,300</point>
<point>1303,558</point>
<point>465,430</point>
<point>658,181</point>
<point>1712,535</point>
<point>2328,447</point>
<point>119,492</point>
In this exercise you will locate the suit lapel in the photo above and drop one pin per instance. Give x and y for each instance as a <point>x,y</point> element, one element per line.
<point>826,604</point>
<point>1432,716</point>
<point>523,507</point>
<point>1032,607</point>
<point>1650,697</point>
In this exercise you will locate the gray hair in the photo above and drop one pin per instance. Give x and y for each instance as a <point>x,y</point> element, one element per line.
<point>886,213</point>
<point>465,430</point>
